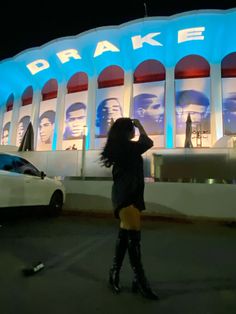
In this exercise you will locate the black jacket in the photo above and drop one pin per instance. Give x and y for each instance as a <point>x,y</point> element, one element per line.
<point>128,175</point>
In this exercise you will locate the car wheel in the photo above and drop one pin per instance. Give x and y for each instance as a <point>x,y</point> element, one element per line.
<point>55,205</point>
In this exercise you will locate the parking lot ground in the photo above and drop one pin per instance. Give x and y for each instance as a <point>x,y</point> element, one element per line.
<point>190,265</point>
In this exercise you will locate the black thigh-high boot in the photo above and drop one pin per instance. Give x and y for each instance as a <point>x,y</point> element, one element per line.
<point>140,283</point>
<point>120,250</point>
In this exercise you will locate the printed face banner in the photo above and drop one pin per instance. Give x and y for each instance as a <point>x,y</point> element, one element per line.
<point>46,123</point>
<point>75,120</point>
<point>23,122</point>
<point>193,98</point>
<point>5,134</point>
<point>229,105</point>
<point>109,107</point>
<point>149,108</point>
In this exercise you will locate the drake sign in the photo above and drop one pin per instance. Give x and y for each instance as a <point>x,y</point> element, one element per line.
<point>138,41</point>
<point>166,39</point>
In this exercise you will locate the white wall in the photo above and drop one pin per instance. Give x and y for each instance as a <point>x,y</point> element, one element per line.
<point>68,163</point>
<point>176,200</point>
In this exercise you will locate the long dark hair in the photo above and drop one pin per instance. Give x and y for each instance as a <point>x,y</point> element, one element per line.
<point>118,137</point>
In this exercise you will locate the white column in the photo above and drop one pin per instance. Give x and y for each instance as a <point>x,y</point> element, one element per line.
<point>216,103</point>
<point>128,93</point>
<point>14,120</point>
<point>37,97</point>
<point>59,119</point>
<point>91,112</point>
<point>2,110</point>
<point>170,108</point>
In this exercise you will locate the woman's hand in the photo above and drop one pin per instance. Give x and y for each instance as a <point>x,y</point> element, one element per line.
<point>138,125</point>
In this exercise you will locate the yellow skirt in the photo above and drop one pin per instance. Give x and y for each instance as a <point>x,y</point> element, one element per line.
<point>130,218</point>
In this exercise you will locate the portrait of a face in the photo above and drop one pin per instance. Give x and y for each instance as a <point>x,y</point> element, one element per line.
<point>149,109</point>
<point>111,110</point>
<point>46,126</point>
<point>149,106</point>
<point>196,112</point>
<point>229,114</point>
<point>21,128</point>
<point>194,103</point>
<point>5,133</point>
<point>75,121</point>
<point>108,111</point>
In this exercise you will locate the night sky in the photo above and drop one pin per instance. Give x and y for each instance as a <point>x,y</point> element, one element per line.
<point>26,25</point>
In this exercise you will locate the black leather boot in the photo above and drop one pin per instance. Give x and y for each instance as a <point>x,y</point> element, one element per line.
<point>140,283</point>
<point>120,250</point>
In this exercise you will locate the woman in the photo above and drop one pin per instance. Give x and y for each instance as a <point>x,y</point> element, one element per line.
<point>127,198</point>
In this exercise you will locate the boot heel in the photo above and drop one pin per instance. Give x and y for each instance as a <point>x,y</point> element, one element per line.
<point>135,287</point>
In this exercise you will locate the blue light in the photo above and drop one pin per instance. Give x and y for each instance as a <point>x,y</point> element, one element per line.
<point>207,33</point>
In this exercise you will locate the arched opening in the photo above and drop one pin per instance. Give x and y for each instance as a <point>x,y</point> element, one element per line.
<point>228,65</point>
<point>192,100</point>
<point>111,76</point>
<point>149,71</point>
<point>75,112</point>
<point>149,98</point>
<point>50,90</point>
<point>109,100</point>
<point>228,74</point>
<point>27,96</point>
<point>77,83</point>
<point>192,66</point>
<point>10,102</point>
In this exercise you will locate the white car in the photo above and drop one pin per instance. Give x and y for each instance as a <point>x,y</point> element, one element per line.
<point>22,184</point>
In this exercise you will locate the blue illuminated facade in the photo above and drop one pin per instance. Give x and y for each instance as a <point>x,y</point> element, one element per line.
<point>210,34</point>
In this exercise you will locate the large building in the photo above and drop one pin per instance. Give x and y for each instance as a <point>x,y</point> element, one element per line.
<point>157,69</point>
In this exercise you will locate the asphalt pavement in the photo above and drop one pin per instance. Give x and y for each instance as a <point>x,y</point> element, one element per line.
<point>190,265</point>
